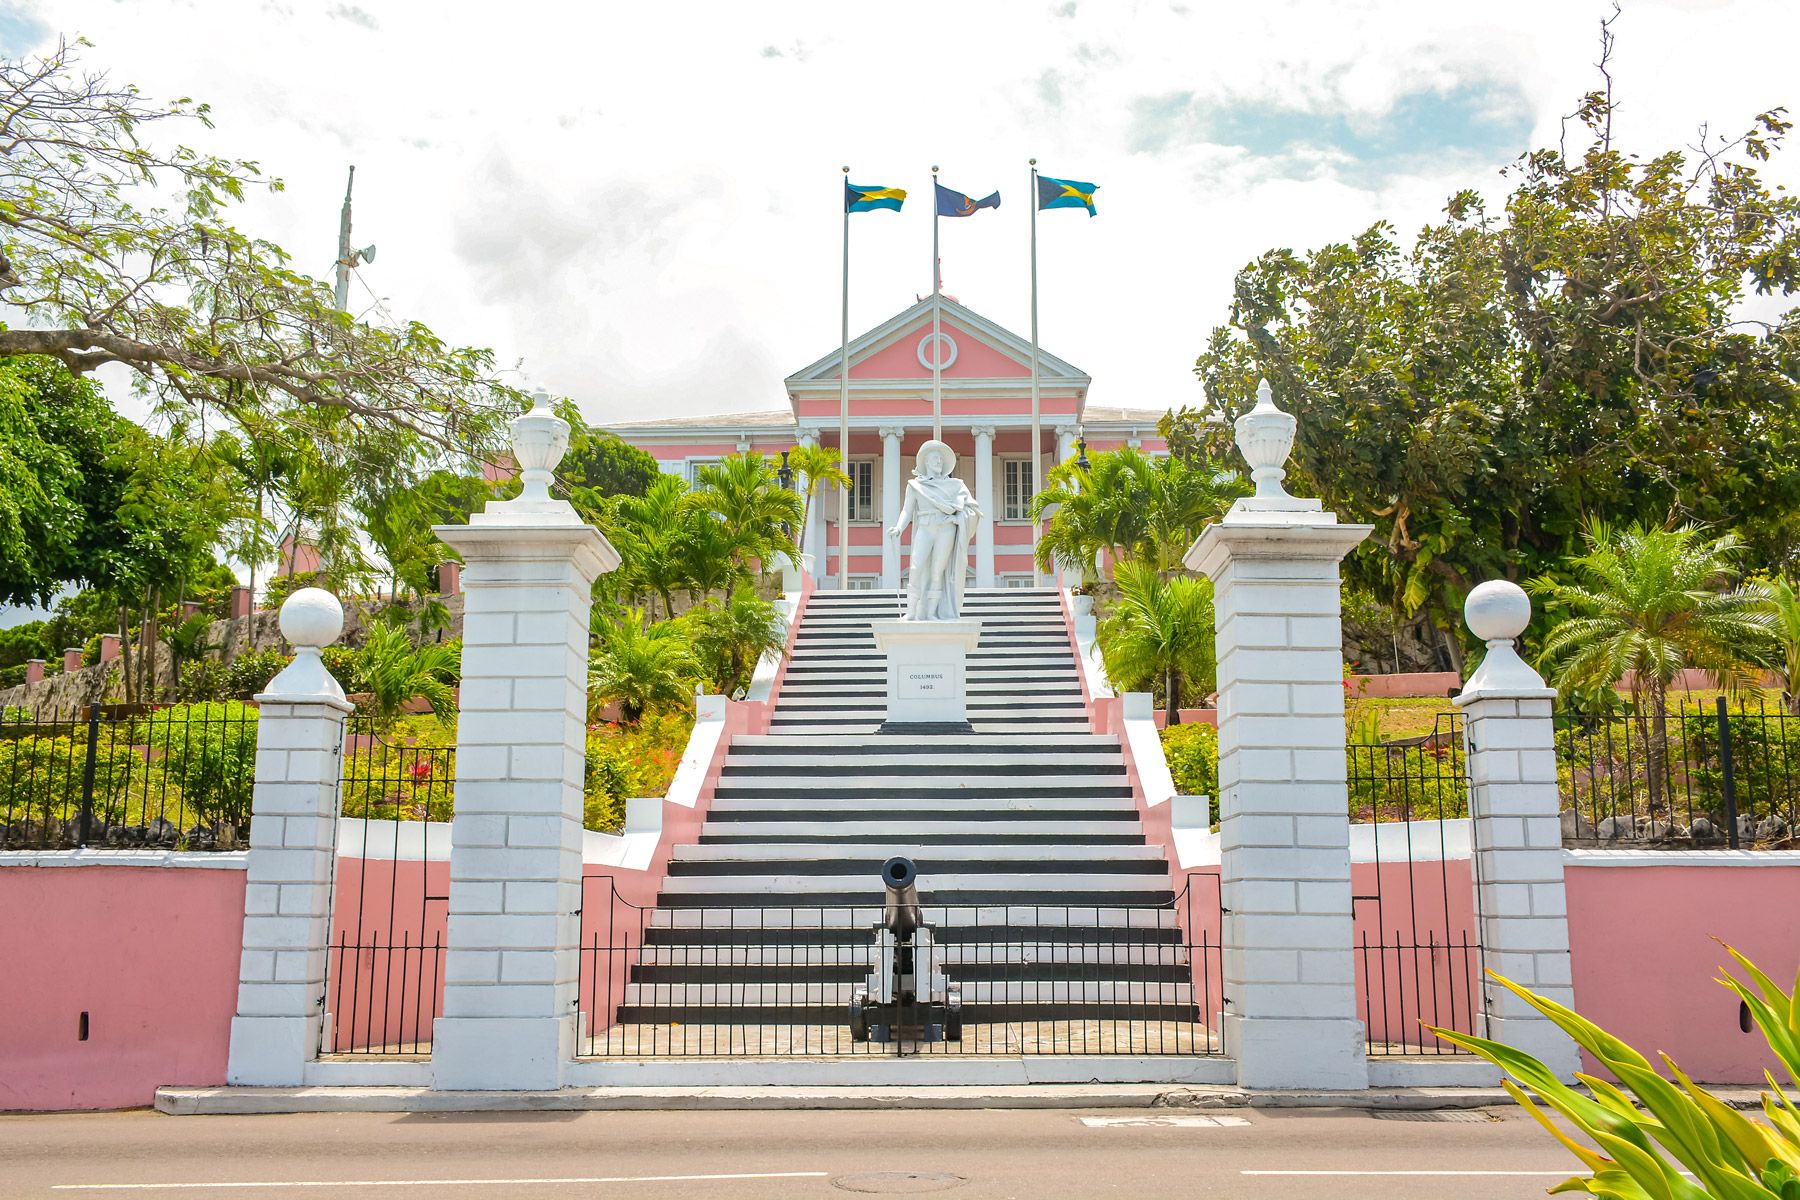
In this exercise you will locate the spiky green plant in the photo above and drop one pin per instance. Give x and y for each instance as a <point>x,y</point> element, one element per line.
<point>1159,631</point>
<point>643,667</point>
<point>1132,505</point>
<point>394,671</point>
<point>1650,602</point>
<point>1785,607</point>
<point>743,493</point>
<point>733,634</point>
<point>1729,1154</point>
<point>817,470</point>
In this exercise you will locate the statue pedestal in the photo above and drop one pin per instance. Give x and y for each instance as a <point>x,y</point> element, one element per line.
<point>927,674</point>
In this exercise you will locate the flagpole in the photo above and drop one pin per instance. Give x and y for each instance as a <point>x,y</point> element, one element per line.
<point>937,336</point>
<point>843,577</point>
<point>1037,426</point>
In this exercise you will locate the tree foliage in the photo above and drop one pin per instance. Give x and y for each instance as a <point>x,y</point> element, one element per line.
<point>1581,354</point>
<point>1131,505</point>
<point>1158,634</point>
<point>114,249</point>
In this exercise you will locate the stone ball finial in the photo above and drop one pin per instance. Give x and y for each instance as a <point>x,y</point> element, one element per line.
<point>311,618</point>
<point>1497,611</point>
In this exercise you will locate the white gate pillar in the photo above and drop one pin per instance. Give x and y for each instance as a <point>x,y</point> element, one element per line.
<point>512,962</point>
<point>1284,826</point>
<point>1516,830</point>
<point>293,841</point>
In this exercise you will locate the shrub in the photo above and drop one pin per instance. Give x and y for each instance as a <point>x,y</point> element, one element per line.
<point>207,750</point>
<point>1193,754</point>
<point>624,761</point>
<point>249,673</point>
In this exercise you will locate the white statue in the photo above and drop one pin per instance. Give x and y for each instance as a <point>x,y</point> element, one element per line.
<point>943,515</point>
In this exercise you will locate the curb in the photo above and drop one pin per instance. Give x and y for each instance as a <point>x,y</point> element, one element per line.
<point>213,1101</point>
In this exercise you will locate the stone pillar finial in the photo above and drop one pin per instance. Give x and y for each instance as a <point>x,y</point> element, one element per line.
<point>1265,437</point>
<point>311,619</point>
<point>1497,612</point>
<point>540,438</point>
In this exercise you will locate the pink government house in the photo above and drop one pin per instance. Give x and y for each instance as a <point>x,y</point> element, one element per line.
<point>986,388</point>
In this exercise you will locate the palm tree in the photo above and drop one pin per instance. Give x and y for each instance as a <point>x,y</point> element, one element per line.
<point>1787,635</point>
<point>817,468</point>
<point>649,538</point>
<point>1159,631</point>
<point>641,666</point>
<point>743,493</point>
<point>733,635</point>
<point>395,671</point>
<point>1650,602</point>
<point>1131,505</point>
<point>186,642</point>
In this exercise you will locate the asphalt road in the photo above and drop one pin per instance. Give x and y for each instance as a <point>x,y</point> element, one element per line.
<point>1037,1155</point>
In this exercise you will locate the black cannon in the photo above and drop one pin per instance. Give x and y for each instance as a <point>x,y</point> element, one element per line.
<point>905,995</point>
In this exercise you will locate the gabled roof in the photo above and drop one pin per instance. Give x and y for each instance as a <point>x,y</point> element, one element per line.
<point>1051,369</point>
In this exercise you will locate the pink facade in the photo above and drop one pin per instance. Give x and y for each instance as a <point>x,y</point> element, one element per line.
<point>984,406</point>
<point>148,956</point>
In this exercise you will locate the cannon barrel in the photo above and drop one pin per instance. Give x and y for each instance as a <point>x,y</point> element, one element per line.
<point>900,910</point>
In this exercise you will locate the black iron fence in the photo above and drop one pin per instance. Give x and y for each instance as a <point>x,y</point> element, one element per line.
<point>1709,775</point>
<point>779,979</point>
<point>128,777</point>
<point>385,959</point>
<point>1417,945</point>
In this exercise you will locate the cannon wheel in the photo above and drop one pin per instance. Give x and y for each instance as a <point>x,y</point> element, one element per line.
<point>859,1017</point>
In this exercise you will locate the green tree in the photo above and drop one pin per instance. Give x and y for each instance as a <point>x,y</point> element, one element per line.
<point>1581,355</point>
<point>1159,633</point>
<point>100,270</point>
<point>733,634</point>
<point>394,671</point>
<point>1649,602</point>
<point>743,494</point>
<point>817,470</point>
<point>601,464</point>
<point>1785,608</point>
<point>642,667</point>
<point>648,532</point>
<point>1131,505</point>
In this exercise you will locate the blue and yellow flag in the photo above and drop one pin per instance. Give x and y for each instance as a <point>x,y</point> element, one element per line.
<point>1065,193</point>
<point>868,199</point>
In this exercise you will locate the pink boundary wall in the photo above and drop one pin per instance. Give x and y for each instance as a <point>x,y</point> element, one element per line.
<point>1644,958</point>
<point>149,953</point>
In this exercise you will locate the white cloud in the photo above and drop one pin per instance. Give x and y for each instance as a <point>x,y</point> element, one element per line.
<point>640,202</point>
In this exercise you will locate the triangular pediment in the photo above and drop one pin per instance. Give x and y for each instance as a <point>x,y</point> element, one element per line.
<point>983,349</point>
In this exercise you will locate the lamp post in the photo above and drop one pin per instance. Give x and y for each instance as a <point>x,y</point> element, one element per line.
<point>1081,458</point>
<point>784,475</point>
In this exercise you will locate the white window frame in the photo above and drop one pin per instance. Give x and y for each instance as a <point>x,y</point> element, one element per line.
<point>873,514</point>
<point>1006,471</point>
<point>1014,581</point>
<point>694,465</point>
<point>864,583</point>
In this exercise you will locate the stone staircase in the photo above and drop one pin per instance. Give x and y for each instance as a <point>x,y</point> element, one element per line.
<point>1048,904</point>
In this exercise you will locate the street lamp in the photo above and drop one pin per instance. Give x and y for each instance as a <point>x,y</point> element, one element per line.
<point>785,473</point>
<point>1081,458</point>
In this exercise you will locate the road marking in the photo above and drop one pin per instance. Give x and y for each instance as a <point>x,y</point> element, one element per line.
<point>1193,1122</point>
<point>369,1183</point>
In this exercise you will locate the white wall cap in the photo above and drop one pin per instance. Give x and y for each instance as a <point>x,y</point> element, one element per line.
<point>1315,539</point>
<point>584,545</point>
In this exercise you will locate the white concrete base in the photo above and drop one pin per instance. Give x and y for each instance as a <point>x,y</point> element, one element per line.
<point>1312,1053</point>
<point>867,1071</point>
<point>501,1053</point>
<point>927,669</point>
<point>272,1051</point>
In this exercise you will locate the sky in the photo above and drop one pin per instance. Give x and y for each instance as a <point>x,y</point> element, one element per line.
<point>639,206</point>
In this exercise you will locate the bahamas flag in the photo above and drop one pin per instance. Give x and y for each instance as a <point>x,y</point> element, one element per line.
<point>868,199</point>
<point>955,204</point>
<point>1065,193</point>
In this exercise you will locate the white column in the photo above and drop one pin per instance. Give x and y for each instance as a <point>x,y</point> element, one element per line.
<point>890,504</point>
<point>1289,971</point>
<point>1516,830</point>
<point>813,542</point>
<point>984,499</point>
<point>515,843</point>
<point>293,838</point>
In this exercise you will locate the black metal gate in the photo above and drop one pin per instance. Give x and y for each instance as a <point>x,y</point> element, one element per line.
<point>1417,939</point>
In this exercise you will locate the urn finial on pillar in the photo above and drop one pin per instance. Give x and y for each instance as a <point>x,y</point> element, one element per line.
<point>311,619</point>
<point>1265,437</point>
<point>540,438</point>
